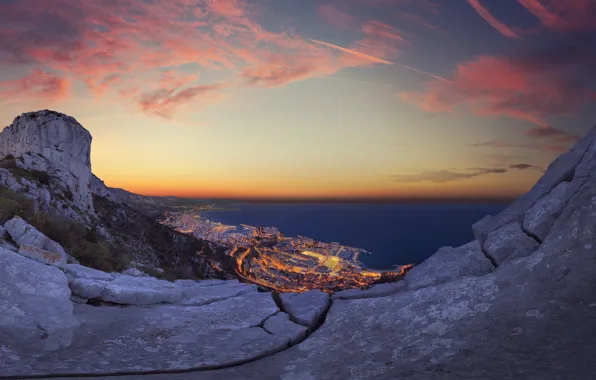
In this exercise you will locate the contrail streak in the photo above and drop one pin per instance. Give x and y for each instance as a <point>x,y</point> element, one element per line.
<point>360,81</point>
<point>353,52</point>
<point>377,60</point>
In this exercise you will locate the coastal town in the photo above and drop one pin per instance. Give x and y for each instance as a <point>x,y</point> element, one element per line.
<point>264,256</point>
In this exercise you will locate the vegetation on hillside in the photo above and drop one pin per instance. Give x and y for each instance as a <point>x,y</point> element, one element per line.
<point>10,163</point>
<point>83,243</point>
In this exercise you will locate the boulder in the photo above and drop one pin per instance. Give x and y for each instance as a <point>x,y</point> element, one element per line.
<point>131,290</point>
<point>35,301</point>
<point>35,244</point>
<point>306,308</point>
<point>54,143</point>
<point>507,242</point>
<point>280,325</point>
<point>449,264</point>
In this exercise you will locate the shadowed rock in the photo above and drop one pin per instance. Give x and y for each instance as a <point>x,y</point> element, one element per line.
<point>509,241</point>
<point>449,264</point>
<point>306,308</point>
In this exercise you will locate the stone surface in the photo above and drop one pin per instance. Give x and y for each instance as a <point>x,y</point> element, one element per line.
<point>80,271</point>
<point>25,234</point>
<point>380,290</point>
<point>41,255</point>
<point>3,234</point>
<point>131,290</point>
<point>36,312</point>
<point>197,295</point>
<point>507,242</point>
<point>54,143</point>
<point>539,219</point>
<point>448,264</point>
<point>305,308</point>
<point>113,339</point>
<point>280,325</point>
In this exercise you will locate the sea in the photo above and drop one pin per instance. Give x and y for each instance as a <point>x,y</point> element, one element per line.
<point>395,234</point>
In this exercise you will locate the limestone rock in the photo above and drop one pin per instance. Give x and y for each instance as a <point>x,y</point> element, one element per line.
<point>87,288</point>
<point>305,308</point>
<point>35,302</point>
<point>113,339</point>
<point>80,271</point>
<point>448,264</point>
<point>29,238</point>
<point>196,295</point>
<point>563,168</point>
<point>99,188</point>
<point>131,290</point>
<point>3,234</point>
<point>281,325</point>
<point>379,290</point>
<point>539,219</point>
<point>509,241</point>
<point>54,143</point>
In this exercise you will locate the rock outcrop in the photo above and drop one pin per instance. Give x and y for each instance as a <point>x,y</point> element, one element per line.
<point>54,143</point>
<point>34,244</point>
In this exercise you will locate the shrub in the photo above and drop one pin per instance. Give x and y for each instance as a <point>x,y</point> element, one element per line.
<point>12,204</point>
<point>10,163</point>
<point>84,244</point>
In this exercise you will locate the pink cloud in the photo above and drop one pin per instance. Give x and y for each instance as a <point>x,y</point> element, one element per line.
<point>489,18</point>
<point>164,102</point>
<point>124,45</point>
<point>526,88</point>
<point>563,15</point>
<point>36,84</point>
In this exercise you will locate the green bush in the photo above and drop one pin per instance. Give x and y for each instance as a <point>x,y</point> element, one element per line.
<point>84,244</point>
<point>10,163</point>
<point>12,204</point>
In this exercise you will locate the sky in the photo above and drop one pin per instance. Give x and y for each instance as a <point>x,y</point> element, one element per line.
<point>310,98</point>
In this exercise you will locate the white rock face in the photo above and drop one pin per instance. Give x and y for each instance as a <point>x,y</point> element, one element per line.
<point>35,304</point>
<point>35,244</point>
<point>57,144</point>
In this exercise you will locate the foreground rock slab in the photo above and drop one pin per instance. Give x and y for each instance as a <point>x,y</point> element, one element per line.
<point>34,314</point>
<point>115,339</point>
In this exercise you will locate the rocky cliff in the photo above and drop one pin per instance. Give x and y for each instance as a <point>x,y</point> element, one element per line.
<point>56,144</point>
<point>518,302</point>
<point>45,177</point>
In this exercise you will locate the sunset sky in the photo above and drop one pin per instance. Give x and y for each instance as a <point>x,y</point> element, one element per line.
<point>309,98</point>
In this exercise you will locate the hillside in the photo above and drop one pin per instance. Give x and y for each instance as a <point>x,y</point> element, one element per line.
<point>45,171</point>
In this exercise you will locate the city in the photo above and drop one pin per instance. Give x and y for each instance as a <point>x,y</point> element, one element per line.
<point>264,256</point>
